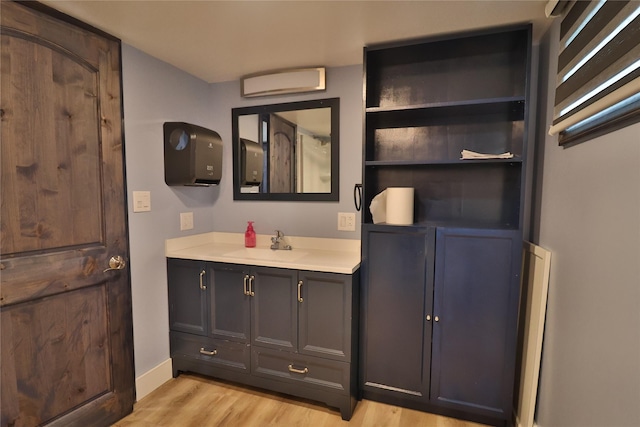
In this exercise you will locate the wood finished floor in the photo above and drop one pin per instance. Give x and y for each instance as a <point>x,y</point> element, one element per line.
<point>192,400</point>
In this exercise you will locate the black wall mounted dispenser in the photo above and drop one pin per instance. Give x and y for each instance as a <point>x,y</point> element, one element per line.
<point>192,155</point>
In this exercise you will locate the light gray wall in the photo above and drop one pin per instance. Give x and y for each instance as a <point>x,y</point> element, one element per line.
<point>155,92</point>
<point>313,219</point>
<point>589,218</point>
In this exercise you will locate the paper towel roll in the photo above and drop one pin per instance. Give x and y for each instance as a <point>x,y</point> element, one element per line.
<point>400,205</point>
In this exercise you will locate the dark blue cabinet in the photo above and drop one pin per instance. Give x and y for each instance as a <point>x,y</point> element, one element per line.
<point>230,317</point>
<point>396,300</point>
<point>439,317</point>
<point>285,330</point>
<point>447,116</point>
<point>476,295</point>
<point>187,296</point>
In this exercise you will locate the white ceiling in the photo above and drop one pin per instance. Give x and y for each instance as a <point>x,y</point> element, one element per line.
<point>224,40</point>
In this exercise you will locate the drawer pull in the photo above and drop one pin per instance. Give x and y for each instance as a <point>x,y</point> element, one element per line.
<point>208,353</point>
<point>298,371</point>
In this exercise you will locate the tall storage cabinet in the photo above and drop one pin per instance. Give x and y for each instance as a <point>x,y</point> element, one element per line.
<point>445,290</point>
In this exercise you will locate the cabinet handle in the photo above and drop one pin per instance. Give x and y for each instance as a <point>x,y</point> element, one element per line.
<point>437,319</point>
<point>208,353</point>
<point>428,317</point>
<point>298,371</point>
<point>202,285</point>
<point>300,291</point>
<point>245,282</point>
<point>251,278</point>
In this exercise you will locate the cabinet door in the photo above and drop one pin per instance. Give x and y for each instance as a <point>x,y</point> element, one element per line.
<point>397,298</point>
<point>229,303</point>
<point>324,313</point>
<point>187,296</point>
<point>476,301</point>
<point>274,308</point>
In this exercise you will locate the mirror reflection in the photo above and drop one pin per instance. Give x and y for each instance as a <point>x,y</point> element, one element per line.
<point>286,151</point>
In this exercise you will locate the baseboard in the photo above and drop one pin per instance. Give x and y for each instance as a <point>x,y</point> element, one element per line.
<point>153,379</point>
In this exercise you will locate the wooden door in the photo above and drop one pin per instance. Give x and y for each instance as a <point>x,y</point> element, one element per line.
<point>67,341</point>
<point>282,140</point>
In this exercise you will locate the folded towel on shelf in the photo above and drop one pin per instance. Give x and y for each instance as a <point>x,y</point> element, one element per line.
<point>468,154</point>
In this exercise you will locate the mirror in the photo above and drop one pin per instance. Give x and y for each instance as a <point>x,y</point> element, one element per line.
<point>286,151</point>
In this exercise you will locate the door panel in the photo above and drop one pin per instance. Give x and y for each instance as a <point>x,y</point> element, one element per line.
<point>230,306</point>
<point>187,296</point>
<point>60,352</point>
<point>67,341</point>
<point>325,315</point>
<point>476,299</point>
<point>274,308</point>
<point>43,164</point>
<point>396,299</point>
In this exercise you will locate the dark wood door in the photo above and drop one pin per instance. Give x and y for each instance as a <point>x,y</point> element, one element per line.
<point>282,140</point>
<point>67,341</point>
<point>397,298</point>
<point>187,281</point>
<point>230,301</point>
<point>476,301</point>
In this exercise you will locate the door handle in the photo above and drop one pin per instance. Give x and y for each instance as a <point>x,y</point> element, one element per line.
<point>300,291</point>
<point>245,283</point>
<point>116,263</point>
<point>202,285</point>
<point>251,292</point>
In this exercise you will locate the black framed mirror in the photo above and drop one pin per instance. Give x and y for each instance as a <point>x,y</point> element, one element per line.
<point>287,151</point>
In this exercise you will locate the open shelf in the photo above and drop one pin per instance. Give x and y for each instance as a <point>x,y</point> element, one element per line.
<point>452,107</point>
<point>382,163</point>
<point>415,135</point>
<point>457,69</point>
<point>481,193</point>
<point>426,102</point>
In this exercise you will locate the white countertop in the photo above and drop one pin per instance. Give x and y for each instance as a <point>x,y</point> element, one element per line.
<point>308,253</point>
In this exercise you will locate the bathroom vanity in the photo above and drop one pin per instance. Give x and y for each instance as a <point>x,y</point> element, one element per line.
<point>282,320</point>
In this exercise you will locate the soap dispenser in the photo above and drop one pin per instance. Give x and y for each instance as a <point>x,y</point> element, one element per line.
<point>250,236</point>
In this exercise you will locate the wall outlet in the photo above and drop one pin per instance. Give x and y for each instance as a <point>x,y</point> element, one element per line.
<point>346,221</point>
<point>186,221</point>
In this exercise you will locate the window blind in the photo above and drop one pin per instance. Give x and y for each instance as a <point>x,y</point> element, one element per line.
<point>598,80</point>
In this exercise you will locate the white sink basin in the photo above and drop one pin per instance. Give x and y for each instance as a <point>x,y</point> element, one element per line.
<point>267,254</point>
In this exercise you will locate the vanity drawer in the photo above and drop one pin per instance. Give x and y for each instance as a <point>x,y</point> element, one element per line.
<point>221,353</point>
<point>311,371</point>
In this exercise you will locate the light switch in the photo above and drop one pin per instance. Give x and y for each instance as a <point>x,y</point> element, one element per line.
<point>141,201</point>
<point>186,221</point>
